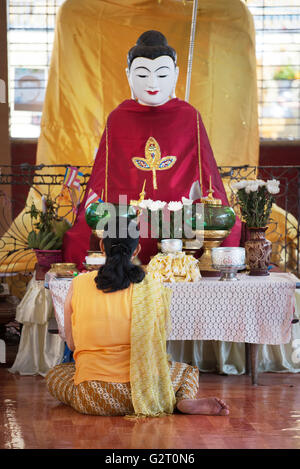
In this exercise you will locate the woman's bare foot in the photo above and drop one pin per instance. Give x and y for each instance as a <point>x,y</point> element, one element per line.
<point>204,406</point>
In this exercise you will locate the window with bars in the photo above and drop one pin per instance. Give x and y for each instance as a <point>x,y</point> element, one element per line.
<point>31,26</point>
<point>277,26</point>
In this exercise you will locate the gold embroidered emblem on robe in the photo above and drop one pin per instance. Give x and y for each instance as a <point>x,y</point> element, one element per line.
<point>153,160</point>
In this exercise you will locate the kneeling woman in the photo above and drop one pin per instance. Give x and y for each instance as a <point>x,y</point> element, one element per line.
<point>116,322</point>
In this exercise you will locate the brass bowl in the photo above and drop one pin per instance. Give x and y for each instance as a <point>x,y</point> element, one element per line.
<point>98,233</point>
<point>211,239</point>
<point>91,267</point>
<point>63,269</point>
<point>63,266</point>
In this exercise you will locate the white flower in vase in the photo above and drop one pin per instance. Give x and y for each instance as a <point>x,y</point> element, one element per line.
<point>239,185</point>
<point>156,205</point>
<point>146,203</point>
<point>186,201</point>
<point>174,206</point>
<point>251,187</point>
<point>255,198</point>
<point>273,186</point>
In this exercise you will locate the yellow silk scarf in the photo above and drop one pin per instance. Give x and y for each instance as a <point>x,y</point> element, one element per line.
<point>151,386</point>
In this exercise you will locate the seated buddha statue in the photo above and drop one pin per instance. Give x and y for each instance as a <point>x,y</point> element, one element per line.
<point>152,138</point>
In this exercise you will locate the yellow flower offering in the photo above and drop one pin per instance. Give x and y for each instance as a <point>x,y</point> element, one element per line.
<point>174,267</point>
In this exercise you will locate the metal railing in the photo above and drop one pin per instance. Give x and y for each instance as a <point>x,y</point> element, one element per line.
<point>283,231</point>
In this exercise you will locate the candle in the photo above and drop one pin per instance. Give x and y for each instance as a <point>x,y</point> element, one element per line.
<point>142,194</point>
<point>44,204</point>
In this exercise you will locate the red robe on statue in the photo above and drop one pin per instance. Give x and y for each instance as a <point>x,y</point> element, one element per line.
<point>178,130</point>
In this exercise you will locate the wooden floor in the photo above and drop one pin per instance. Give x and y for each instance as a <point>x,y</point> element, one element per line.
<point>266,416</point>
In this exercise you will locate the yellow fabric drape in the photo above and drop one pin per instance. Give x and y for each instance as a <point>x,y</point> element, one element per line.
<point>87,75</point>
<point>284,251</point>
<point>87,78</point>
<point>151,385</point>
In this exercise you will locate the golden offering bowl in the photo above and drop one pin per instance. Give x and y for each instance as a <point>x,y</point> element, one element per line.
<point>63,266</point>
<point>63,269</point>
<point>191,245</point>
<point>98,233</point>
<point>211,239</point>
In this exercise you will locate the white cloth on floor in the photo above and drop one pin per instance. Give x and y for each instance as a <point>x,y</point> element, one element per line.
<point>38,350</point>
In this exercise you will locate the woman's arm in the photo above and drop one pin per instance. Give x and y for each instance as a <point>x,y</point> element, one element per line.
<point>67,319</point>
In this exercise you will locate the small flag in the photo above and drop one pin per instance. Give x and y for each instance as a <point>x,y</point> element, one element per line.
<point>77,180</point>
<point>71,182</point>
<point>91,198</point>
<point>70,176</point>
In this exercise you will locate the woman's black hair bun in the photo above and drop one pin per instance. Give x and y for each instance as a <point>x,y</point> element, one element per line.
<point>120,249</point>
<point>119,272</point>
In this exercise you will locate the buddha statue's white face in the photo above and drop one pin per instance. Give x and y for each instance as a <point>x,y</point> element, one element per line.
<point>152,82</point>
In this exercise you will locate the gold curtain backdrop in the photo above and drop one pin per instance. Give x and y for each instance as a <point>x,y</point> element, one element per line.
<point>87,74</point>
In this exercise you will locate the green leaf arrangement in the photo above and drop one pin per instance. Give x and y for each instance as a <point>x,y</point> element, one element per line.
<point>48,227</point>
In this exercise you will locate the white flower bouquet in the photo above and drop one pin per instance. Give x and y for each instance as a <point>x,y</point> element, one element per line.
<point>166,219</point>
<point>255,198</point>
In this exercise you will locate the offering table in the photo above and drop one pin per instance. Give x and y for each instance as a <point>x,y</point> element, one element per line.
<point>252,310</point>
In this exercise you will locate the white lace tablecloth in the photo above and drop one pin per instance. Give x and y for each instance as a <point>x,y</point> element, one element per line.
<point>254,309</point>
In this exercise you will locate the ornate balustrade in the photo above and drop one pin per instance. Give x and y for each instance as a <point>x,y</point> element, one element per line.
<point>283,230</point>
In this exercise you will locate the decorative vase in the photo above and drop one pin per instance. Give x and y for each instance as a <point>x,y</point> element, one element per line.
<point>47,257</point>
<point>98,214</point>
<point>258,251</point>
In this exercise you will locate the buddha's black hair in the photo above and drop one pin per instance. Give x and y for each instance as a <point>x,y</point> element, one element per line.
<point>151,44</point>
<point>119,272</point>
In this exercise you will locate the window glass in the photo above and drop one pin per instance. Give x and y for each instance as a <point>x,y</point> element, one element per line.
<point>30,37</point>
<point>31,26</point>
<point>277,25</point>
